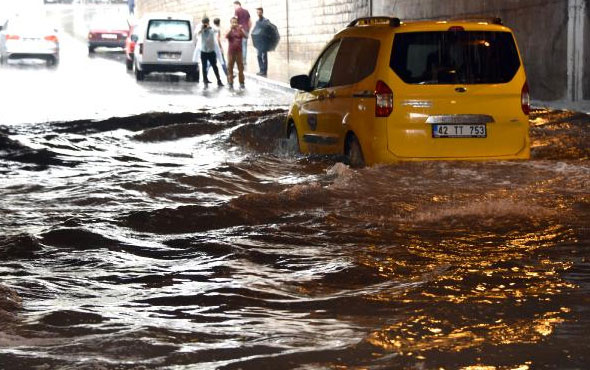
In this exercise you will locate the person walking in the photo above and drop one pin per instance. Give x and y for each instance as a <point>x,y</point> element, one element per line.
<point>235,36</point>
<point>243,20</point>
<point>218,46</point>
<point>131,5</point>
<point>208,51</point>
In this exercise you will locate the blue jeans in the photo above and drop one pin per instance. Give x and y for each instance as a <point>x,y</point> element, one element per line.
<point>263,61</point>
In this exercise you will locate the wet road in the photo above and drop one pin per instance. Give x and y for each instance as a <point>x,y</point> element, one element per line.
<point>196,240</point>
<point>98,86</point>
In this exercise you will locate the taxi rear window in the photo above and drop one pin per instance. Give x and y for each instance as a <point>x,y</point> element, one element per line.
<point>455,57</point>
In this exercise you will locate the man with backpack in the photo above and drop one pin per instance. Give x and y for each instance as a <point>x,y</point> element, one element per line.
<point>265,37</point>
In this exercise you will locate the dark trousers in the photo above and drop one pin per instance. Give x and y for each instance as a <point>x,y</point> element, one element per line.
<point>209,58</point>
<point>263,61</point>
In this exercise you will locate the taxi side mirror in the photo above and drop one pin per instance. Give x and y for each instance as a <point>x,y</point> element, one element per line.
<point>301,82</point>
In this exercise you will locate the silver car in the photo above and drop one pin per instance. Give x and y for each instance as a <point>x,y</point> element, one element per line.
<point>29,38</point>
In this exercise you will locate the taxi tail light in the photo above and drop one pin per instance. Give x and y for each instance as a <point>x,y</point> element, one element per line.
<point>12,37</point>
<point>525,99</point>
<point>51,38</point>
<point>90,35</point>
<point>384,100</point>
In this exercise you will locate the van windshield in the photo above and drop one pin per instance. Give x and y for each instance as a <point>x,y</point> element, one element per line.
<point>169,30</point>
<point>463,57</point>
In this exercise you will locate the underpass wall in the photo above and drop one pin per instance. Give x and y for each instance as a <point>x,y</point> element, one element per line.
<point>540,27</point>
<point>305,26</point>
<point>553,35</point>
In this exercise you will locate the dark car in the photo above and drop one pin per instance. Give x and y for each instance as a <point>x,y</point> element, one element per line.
<point>108,34</point>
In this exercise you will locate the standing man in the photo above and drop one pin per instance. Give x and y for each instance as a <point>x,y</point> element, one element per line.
<point>235,36</point>
<point>208,51</point>
<point>261,45</point>
<point>131,5</point>
<point>243,20</point>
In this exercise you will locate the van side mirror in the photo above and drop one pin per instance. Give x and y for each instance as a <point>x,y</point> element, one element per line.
<point>301,82</point>
<point>134,38</point>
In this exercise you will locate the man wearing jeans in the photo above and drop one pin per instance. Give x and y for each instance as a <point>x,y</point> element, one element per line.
<point>243,20</point>
<point>208,51</point>
<point>262,46</point>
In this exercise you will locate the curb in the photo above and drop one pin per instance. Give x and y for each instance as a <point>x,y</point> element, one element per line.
<point>270,83</point>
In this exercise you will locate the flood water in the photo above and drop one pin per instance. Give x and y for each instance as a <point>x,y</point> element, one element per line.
<point>197,240</point>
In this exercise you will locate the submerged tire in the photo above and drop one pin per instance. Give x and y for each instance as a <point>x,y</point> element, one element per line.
<point>91,50</point>
<point>292,145</point>
<point>354,153</point>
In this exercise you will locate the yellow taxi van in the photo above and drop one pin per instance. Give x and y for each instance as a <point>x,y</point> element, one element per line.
<point>384,91</point>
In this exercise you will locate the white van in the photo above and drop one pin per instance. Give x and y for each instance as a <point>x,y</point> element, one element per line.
<point>165,43</point>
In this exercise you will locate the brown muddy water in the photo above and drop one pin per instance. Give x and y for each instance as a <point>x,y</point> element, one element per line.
<point>195,241</point>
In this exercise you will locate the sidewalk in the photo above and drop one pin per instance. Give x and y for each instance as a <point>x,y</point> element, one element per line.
<point>579,106</point>
<point>279,74</point>
<point>279,70</point>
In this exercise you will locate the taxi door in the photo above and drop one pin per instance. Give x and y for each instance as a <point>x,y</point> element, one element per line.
<point>321,112</point>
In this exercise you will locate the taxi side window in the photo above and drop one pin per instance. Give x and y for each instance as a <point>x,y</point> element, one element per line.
<point>356,60</point>
<point>321,74</point>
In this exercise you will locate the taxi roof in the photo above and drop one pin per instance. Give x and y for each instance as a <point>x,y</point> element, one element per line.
<point>380,26</point>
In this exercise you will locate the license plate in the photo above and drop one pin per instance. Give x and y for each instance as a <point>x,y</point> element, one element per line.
<point>446,131</point>
<point>108,36</point>
<point>168,55</point>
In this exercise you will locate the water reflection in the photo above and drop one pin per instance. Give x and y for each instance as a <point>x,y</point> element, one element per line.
<point>185,240</point>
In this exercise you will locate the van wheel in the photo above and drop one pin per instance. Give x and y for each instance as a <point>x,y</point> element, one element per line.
<point>193,76</point>
<point>292,139</point>
<point>354,152</point>
<point>139,75</point>
<point>129,64</point>
<point>51,62</point>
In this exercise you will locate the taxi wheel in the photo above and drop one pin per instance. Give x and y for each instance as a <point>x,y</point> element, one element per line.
<point>292,139</point>
<point>354,152</point>
<point>90,49</point>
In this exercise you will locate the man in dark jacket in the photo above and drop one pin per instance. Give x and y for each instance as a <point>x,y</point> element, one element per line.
<point>265,37</point>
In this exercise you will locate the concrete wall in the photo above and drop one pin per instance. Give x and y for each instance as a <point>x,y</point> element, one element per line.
<point>553,35</point>
<point>310,24</point>
<point>586,78</point>
<point>541,29</point>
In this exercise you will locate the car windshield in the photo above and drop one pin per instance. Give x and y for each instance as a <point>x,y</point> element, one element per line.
<point>169,30</point>
<point>473,57</point>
